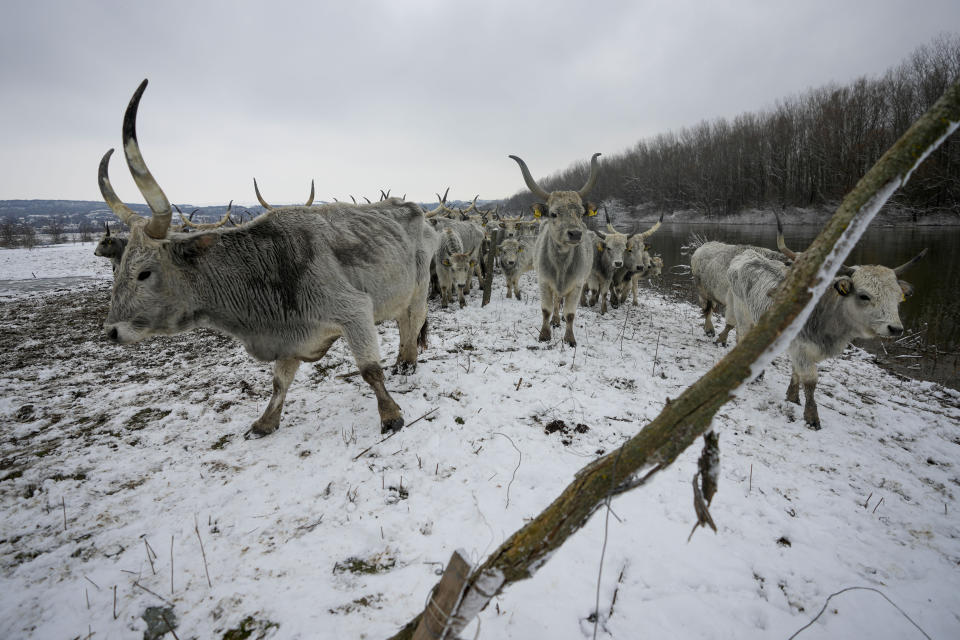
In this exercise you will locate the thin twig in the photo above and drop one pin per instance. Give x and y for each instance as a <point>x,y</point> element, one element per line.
<point>137,584</point>
<point>519,460</point>
<point>656,353</point>
<point>171,565</point>
<point>146,549</point>
<point>603,549</point>
<point>206,569</point>
<point>750,486</point>
<point>92,582</point>
<point>830,597</point>
<point>163,616</point>
<point>114,602</point>
<point>878,504</point>
<point>64,505</point>
<point>360,455</point>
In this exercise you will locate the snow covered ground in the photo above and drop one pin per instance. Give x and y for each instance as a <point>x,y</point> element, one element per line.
<point>108,452</point>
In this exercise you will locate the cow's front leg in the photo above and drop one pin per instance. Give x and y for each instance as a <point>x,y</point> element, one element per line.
<point>283,372</point>
<point>569,309</point>
<point>411,324</point>
<point>604,289</point>
<point>707,310</point>
<point>557,310</point>
<point>810,414</point>
<point>793,391</point>
<point>361,335</point>
<point>546,308</point>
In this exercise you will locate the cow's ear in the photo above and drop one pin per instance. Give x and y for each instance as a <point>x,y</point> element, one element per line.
<point>906,288</point>
<point>591,209</point>
<point>538,209</point>
<point>647,246</point>
<point>192,249</point>
<point>843,285</point>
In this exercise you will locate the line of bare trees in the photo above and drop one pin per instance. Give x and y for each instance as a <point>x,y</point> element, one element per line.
<point>806,151</point>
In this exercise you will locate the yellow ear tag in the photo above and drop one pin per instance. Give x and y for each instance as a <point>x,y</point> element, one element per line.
<point>591,213</point>
<point>903,297</point>
<point>536,212</point>
<point>599,246</point>
<point>844,287</point>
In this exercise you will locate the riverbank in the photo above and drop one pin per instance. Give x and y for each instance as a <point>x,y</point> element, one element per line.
<point>793,216</point>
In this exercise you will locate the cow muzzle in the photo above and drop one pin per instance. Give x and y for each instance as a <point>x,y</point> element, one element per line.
<point>574,236</point>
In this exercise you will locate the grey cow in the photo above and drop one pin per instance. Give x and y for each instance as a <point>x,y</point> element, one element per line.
<point>111,246</point>
<point>862,303</point>
<point>307,276</point>
<point>561,258</point>
<point>516,258</point>
<point>453,267</point>
<point>708,265</point>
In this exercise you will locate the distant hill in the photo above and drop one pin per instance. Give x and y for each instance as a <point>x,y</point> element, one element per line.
<point>38,212</point>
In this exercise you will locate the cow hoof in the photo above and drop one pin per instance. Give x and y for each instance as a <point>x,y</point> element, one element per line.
<point>403,368</point>
<point>463,304</point>
<point>255,433</point>
<point>391,425</point>
<point>571,342</point>
<point>710,333</point>
<point>544,336</point>
<point>813,425</point>
<point>720,343</point>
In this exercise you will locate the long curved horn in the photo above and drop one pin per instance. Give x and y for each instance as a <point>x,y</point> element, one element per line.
<point>206,226</point>
<point>610,228</point>
<point>107,228</point>
<point>263,203</point>
<point>592,178</point>
<point>367,199</point>
<point>536,189</point>
<point>472,207</point>
<point>159,223</point>
<point>122,211</point>
<point>310,199</point>
<point>652,230</point>
<point>909,263</point>
<point>354,199</point>
<point>781,244</point>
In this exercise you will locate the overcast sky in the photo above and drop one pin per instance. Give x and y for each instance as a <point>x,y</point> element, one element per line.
<point>410,96</point>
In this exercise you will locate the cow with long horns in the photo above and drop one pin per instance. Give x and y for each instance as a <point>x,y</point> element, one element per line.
<point>111,247</point>
<point>307,276</point>
<point>561,257</point>
<point>862,303</point>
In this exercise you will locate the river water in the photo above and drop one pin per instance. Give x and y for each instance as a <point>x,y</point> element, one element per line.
<point>932,314</point>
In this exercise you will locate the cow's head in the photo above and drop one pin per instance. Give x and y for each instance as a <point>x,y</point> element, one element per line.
<point>110,246</point>
<point>461,266</point>
<point>612,246</point>
<point>871,298</point>
<point>510,251</point>
<point>563,211</point>
<point>148,294</point>
<point>870,294</point>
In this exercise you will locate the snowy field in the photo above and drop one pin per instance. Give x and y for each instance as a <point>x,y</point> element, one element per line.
<point>109,452</point>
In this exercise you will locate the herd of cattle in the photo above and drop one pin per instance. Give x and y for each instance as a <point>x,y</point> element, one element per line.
<point>312,274</point>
